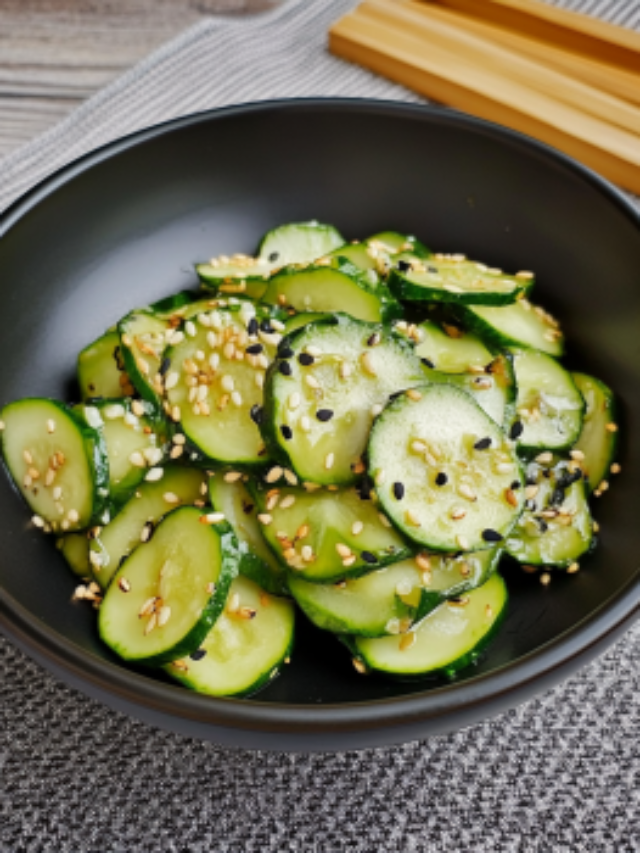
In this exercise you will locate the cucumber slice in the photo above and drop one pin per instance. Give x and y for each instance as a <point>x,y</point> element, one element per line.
<point>299,243</point>
<point>452,278</point>
<point>327,288</point>
<point>214,383</point>
<point>246,647</point>
<point>444,471</point>
<point>321,399</point>
<point>393,242</point>
<point>168,594</point>
<point>74,547</point>
<point>521,325</point>
<point>142,343</point>
<point>556,527</point>
<point>101,370</point>
<point>448,640</point>
<point>136,521</point>
<point>450,350</point>
<point>58,463</point>
<point>297,321</point>
<point>239,274</point>
<point>392,599</point>
<point>239,508</point>
<point>133,440</point>
<point>549,406</point>
<point>598,440</point>
<point>358,254</point>
<point>494,391</point>
<point>327,535</point>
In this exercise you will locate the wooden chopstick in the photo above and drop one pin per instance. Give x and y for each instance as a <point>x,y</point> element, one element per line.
<point>440,72</point>
<point>589,69</point>
<point>421,20</point>
<point>569,30</point>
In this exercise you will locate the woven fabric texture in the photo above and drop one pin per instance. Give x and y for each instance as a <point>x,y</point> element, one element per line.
<point>561,773</point>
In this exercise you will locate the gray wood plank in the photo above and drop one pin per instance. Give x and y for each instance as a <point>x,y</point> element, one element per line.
<point>55,55</point>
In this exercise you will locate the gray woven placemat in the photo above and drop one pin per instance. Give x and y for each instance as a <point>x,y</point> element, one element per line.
<point>561,773</point>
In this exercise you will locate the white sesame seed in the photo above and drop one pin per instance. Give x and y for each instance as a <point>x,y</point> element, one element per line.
<point>234,603</point>
<point>2,425</point>
<point>376,409</point>
<point>544,458</point>
<point>232,476</point>
<point>49,477</point>
<point>236,398</point>
<point>349,561</point>
<point>357,527</point>
<point>423,562</point>
<point>265,518</point>
<point>274,474</point>
<point>259,380</point>
<point>367,363</point>
<point>172,380</point>
<point>345,370</point>
<point>414,395</point>
<point>329,460</point>
<point>311,381</point>
<point>137,459</point>
<point>164,614</point>
<point>170,498</point>
<point>404,587</point>
<point>384,520</point>
<point>212,518</point>
<point>37,521</point>
<point>305,423</point>
<point>28,458</point>
<point>51,426</point>
<point>294,401</point>
<point>343,550</point>
<point>307,553</point>
<point>190,329</point>
<point>463,542</point>
<point>467,492</point>
<point>290,477</point>
<point>154,474</point>
<point>176,414</point>
<point>504,467</point>
<point>227,383</point>
<point>287,501</point>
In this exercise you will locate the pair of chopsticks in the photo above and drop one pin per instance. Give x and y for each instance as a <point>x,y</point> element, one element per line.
<point>563,78</point>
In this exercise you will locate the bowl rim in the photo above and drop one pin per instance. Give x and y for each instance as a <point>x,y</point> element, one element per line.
<point>510,682</point>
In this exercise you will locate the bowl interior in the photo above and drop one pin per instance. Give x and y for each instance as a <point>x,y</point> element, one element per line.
<point>128,229</point>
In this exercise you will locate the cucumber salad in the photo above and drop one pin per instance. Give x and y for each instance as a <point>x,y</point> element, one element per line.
<point>368,430</point>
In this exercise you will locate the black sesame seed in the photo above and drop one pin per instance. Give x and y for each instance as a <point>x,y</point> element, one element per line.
<point>531,481</point>
<point>365,487</point>
<point>285,368</point>
<point>247,509</point>
<point>557,496</point>
<point>265,326</point>
<point>530,505</point>
<point>273,257</point>
<point>547,473</point>
<point>165,364</point>
<point>287,432</point>
<point>428,363</point>
<point>256,414</point>
<point>255,349</point>
<point>404,266</point>
<point>324,414</point>
<point>490,535</point>
<point>515,485</point>
<point>398,491</point>
<point>285,352</point>
<point>305,359</point>
<point>542,524</point>
<point>368,557</point>
<point>198,654</point>
<point>441,479</point>
<point>252,326</point>
<point>516,430</point>
<point>373,339</point>
<point>432,270</point>
<point>482,444</point>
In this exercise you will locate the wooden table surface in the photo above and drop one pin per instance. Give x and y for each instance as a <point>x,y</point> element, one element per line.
<point>56,53</point>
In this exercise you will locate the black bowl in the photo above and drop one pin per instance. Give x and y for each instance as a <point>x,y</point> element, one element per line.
<point>124,226</point>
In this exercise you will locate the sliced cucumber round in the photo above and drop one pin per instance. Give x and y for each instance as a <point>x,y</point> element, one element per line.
<point>74,547</point>
<point>332,288</point>
<point>299,243</point>
<point>324,390</point>
<point>445,473</point>
<point>58,462</point>
<point>598,439</point>
<point>452,278</point>
<point>521,325</point>
<point>494,391</point>
<point>169,488</point>
<point>101,370</point>
<point>394,242</point>
<point>142,342</point>
<point>239,274</point>
<point>448,640</point>
<point>215,379</point>
<point>327,535</point>
<point>450,350</point>
<point>245,649</point>
<point>240,509</point>
<point>167,595</point>
<point>358,254</point>
<point>392,599</point>
<point>549,407</point>
<point>133,438</point>
<point>556,527</point>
